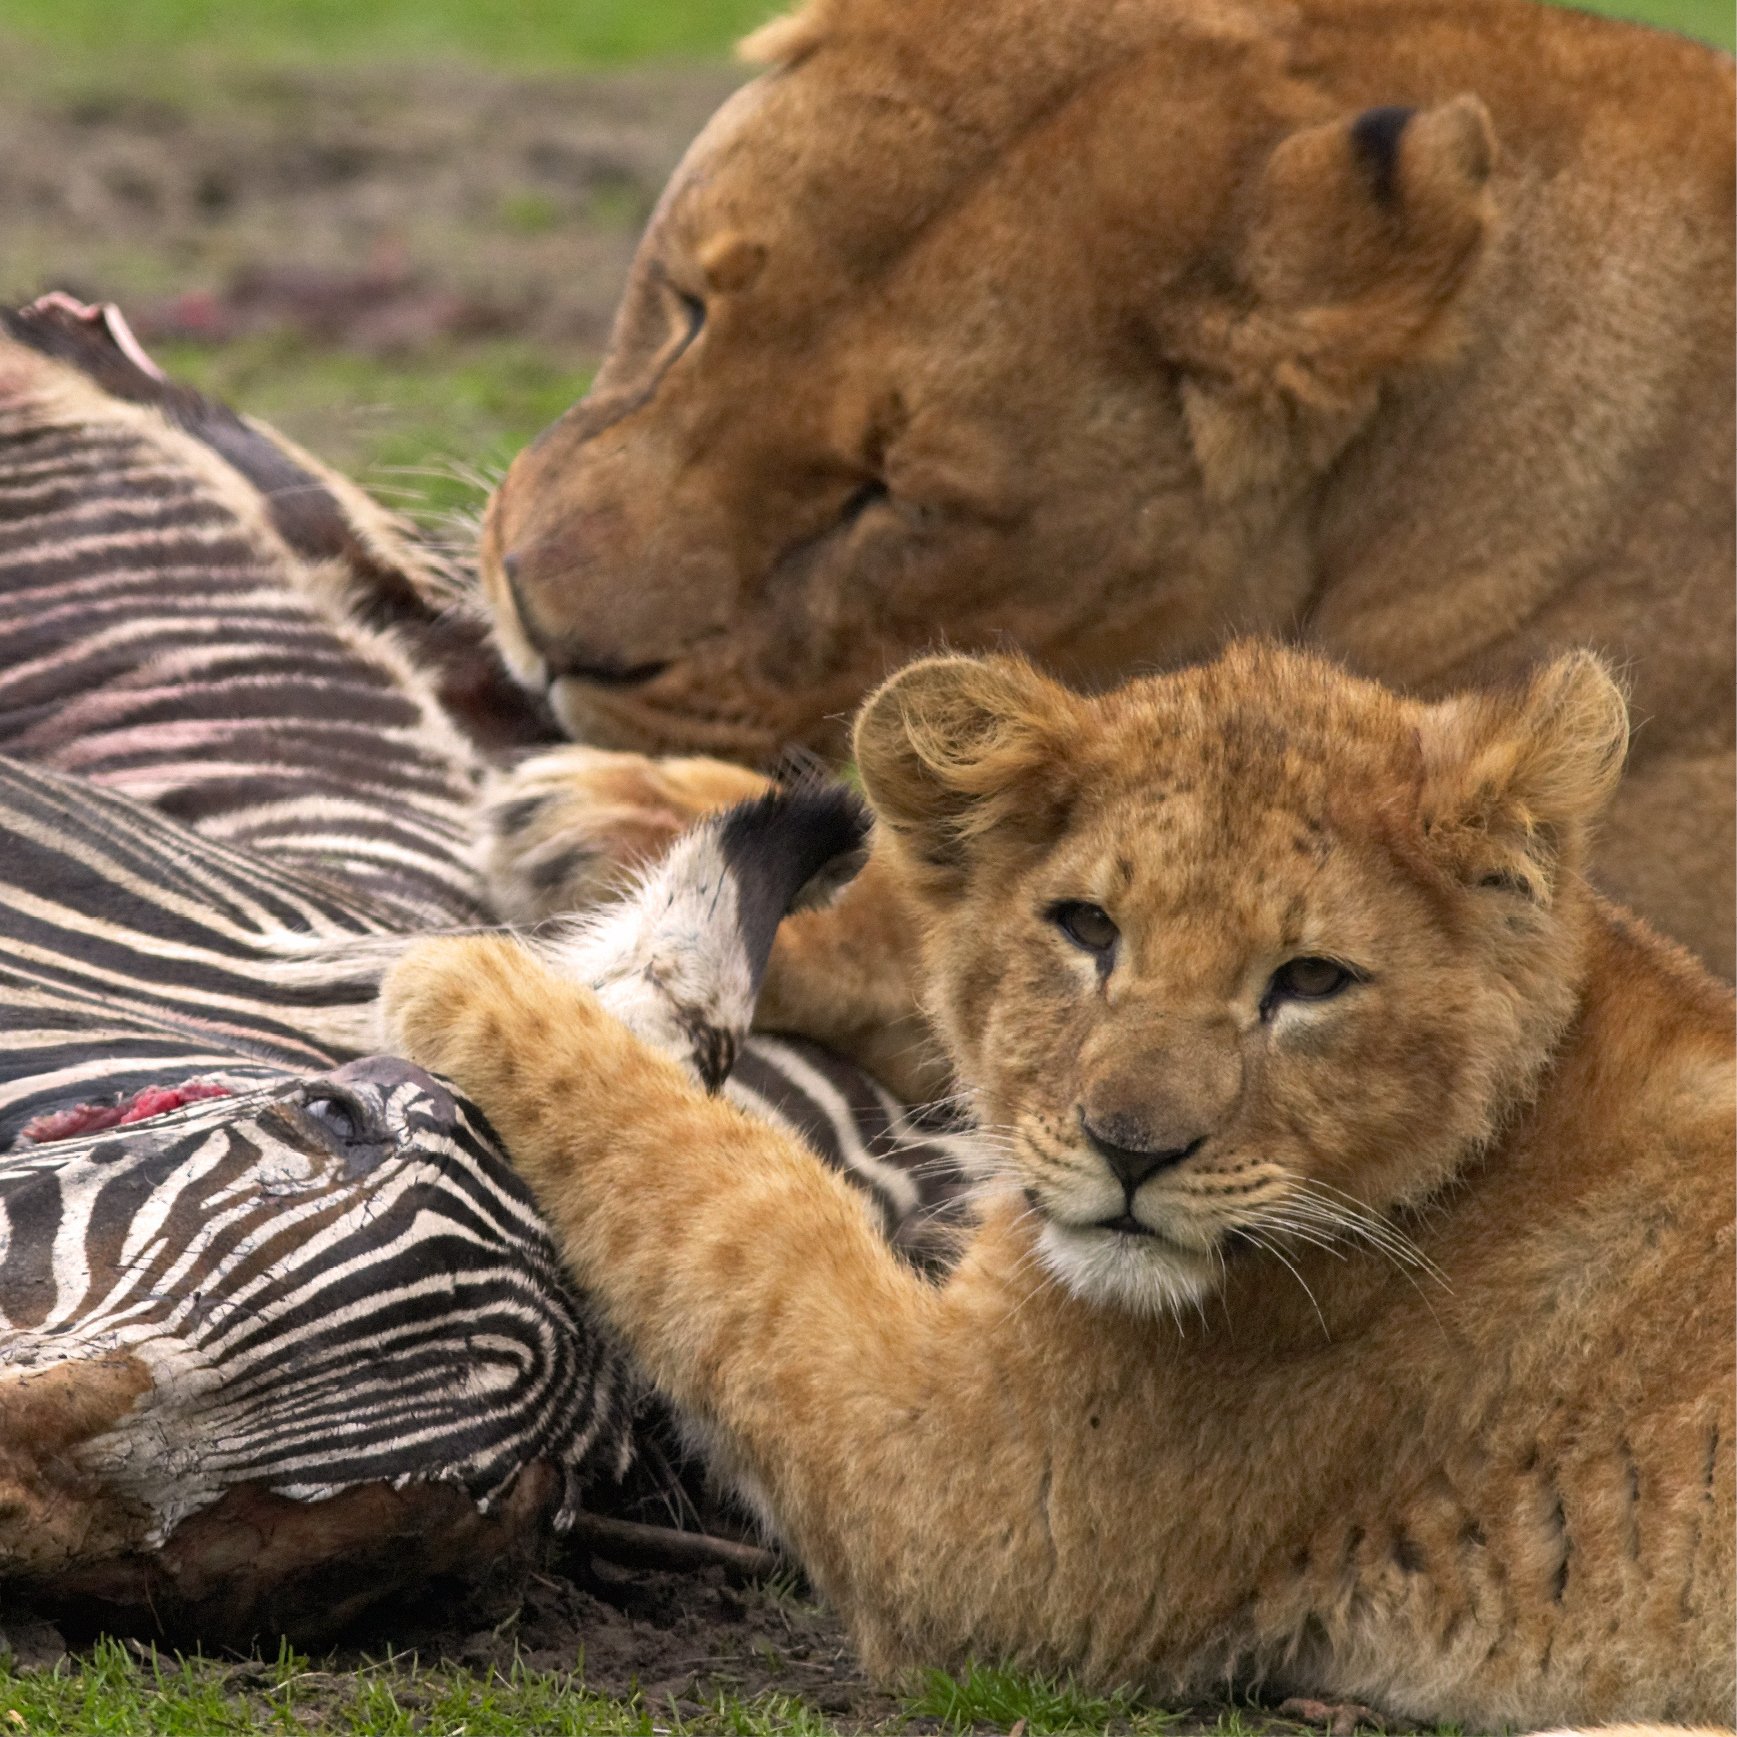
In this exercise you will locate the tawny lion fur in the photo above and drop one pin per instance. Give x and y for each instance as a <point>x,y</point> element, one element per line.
<point>1109,331</point>
<point>1405,1376</point>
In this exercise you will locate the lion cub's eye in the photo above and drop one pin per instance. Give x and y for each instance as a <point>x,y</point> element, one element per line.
<point>1086,925</point>
<point>1306,979</point>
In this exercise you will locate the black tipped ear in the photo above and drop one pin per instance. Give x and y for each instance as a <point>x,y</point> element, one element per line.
<point>1367,229</point>
<point>1513,785</point>
<point>954,748</point>
<point>1375,136</point>
<point>785,849</point>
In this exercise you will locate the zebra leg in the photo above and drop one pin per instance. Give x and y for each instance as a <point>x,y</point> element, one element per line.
<point>570,829</point>
<point>582,827</point>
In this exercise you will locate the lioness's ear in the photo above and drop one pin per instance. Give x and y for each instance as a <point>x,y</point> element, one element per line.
<point>1512,785</point>
<point>953,748</point>
<point>1365,229</point>
<point>784,40</point>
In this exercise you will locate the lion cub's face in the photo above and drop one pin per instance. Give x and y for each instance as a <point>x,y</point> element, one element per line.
<point>1244,956</point>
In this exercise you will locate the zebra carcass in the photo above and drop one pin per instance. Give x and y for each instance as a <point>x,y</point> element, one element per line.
<point>275,1352</point>
<point>231,686</point>
<point>296,1344</point>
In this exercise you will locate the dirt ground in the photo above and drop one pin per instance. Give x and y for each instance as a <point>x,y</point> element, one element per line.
<point>410,270</point>
<point>700,1652</point>
<point>680,1639</point>
<point>377,208</point>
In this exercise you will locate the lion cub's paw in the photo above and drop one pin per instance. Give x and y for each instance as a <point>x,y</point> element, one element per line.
<point>568,830</point>
<point>449,1005</point>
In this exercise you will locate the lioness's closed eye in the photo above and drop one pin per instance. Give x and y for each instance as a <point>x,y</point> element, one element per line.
<point>1351,1309</point>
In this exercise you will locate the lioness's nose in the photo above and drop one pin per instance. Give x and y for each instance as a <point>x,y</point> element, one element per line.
<point>1133,1158</point>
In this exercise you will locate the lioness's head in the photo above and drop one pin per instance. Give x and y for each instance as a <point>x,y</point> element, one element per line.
<point>1247,954</point>
<point>1022,323</point>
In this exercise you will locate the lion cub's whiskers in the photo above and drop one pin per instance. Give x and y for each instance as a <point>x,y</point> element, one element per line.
<point>1278,1254</point>
<point>1331,1209</point>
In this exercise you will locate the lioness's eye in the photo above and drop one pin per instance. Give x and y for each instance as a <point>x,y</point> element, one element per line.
<point>1087,926</point>
<point>1306,979</point>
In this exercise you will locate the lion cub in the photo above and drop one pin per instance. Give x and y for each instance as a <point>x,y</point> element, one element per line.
<point>1351,1307</point>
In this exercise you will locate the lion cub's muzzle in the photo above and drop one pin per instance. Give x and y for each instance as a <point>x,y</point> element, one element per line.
<point>1126,1226</point>
<point>1134,1164</point>
<point>1146,1115</point>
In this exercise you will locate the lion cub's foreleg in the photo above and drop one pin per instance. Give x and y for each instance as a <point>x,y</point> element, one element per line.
<point>568,830</point>
<point>749,1281</point>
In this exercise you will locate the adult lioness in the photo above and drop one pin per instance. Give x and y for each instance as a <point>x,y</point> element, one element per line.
<point>1106,331</point>
<point>1352,1302</point>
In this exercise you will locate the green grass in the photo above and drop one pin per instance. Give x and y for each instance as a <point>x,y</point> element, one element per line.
<point>122,1689</point>
<point>1711,20</point>
<point>506,32</point>
<point>554,33</point>
<point>429,433</point>
<point>113,1690</point>
<point>996,1697</point>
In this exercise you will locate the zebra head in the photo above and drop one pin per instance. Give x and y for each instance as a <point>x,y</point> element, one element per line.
<point>680,959</point>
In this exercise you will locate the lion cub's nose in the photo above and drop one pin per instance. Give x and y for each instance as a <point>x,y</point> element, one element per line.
<point>1134,1154</point>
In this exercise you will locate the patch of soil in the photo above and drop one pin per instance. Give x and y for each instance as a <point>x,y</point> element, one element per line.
<point>680,1639</point>
<point>676,1636</point>
<point>381,207</point>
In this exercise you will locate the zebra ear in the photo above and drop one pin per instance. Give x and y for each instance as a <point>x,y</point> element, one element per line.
<point>954,750</point>
<point>786,849</point>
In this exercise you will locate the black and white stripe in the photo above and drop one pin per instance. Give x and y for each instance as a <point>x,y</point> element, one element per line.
<point>228,798</point>
<point>332,1273</point>
<point>331,1281</point>
<point>134,953</point>
<point>159,637</point>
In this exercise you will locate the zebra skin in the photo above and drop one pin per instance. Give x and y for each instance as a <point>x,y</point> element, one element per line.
<point>173,637</point>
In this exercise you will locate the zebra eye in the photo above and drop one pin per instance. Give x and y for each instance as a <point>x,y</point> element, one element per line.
<point>1086,925</point>
<point>1306,979</point>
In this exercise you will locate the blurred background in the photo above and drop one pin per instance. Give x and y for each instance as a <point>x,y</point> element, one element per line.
<point>396,228</point>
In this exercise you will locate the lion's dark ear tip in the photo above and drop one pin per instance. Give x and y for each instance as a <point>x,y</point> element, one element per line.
<point>1375,137</point>
<point>1455,138</point>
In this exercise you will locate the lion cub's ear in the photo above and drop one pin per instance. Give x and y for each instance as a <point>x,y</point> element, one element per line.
<point>1511,785</point>
<point>1365,230</point>
<point>953,749</point>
